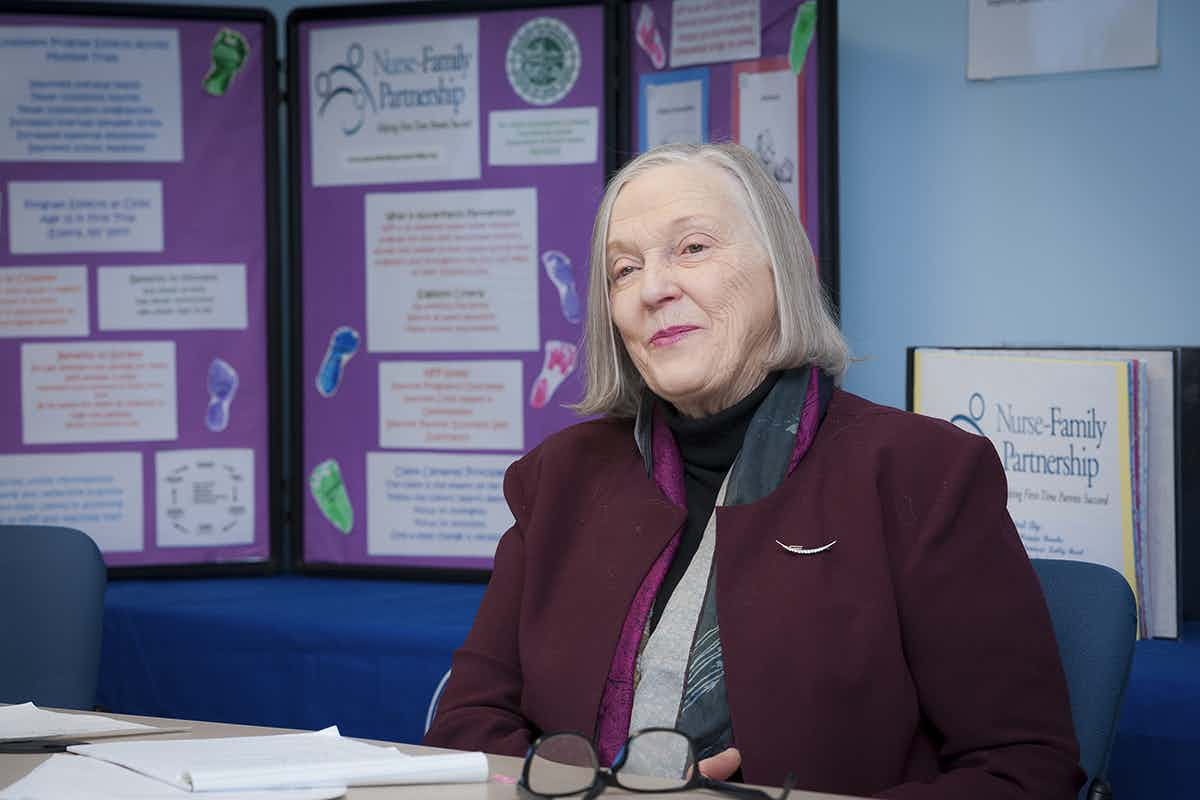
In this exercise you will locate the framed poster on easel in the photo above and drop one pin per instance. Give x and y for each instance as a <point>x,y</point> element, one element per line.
<point>1100,447</point>
<point>447,162</point>
<point>138,281</point>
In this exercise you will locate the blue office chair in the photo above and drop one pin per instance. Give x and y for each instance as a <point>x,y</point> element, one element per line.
<point>51,616</point>
<point>1095,622</point>
<point>434,700</point>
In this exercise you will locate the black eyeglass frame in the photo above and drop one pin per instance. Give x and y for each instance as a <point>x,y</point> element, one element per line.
<point>606,777</point>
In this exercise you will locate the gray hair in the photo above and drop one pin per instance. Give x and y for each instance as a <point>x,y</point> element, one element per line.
<point>806,332</point>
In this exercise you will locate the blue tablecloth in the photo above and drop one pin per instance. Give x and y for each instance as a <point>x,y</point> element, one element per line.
<point>367,655</point>
<point>286,651</point>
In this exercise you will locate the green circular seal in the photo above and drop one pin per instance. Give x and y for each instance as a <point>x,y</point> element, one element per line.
<point>543,61</point>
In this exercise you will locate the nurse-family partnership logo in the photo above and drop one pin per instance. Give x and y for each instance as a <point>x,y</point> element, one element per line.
<point>372,81</point>
<point>1031,440</point>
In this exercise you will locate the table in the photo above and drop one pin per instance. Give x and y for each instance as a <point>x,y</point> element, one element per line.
<point>15,767</point>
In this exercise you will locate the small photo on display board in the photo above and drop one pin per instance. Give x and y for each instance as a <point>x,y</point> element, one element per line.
<point>138,279</point>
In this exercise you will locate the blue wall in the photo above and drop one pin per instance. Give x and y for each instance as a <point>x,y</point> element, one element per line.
<point>1049,210</point>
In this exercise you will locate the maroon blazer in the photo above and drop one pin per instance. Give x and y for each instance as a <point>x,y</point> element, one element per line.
<point>913,658</point>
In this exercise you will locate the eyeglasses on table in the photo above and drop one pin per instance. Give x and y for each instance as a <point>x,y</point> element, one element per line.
<point>566,764</point>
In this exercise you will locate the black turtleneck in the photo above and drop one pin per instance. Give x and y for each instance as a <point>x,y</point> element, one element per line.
<point>708,447</point>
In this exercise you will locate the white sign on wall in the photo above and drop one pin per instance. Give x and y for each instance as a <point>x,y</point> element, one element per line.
<point>1035,37</point>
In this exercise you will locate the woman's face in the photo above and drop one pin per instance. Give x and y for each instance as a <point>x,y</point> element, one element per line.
<point>690,286</point>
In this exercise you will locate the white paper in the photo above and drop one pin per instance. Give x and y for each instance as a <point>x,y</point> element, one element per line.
<point>80,778</point>
<point>79,392</point>
<point>539,136</point>
<point>674,112</point>
<point>709,31</point>
<point>178,297</point>
<point>204,498</point>
<point>452,271</point>
<point>27,721</point>
<point>296,760</point>
<point>1006,37</point>
<point>90,94</point>
<point>451,405</point>
<point>1061,430</point>
<point>100,493</point>
<point>43,301</point>
<point>769,124</point>
<point>436,504</point>
<point>395,103</point>
<point>85,216</point>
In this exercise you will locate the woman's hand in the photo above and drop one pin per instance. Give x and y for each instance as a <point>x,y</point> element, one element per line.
<point>721,766</point>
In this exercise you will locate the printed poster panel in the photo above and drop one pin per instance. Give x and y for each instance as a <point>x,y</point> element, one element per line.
<point>451,405</point>
<point>768,118</point>
<point>452,271</point>
<point>441,319</point>
<point>394,103</point>
<point>135,263</point>
<point>789,38</point>
<point>99,493</point>
<point>436,504</point>
<point>90,94</point>
<point>43,301</point>
<point>1061,429</point>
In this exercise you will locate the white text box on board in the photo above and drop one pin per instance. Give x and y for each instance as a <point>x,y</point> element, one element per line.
<point>452,271</point>
<point>98,493</point>
<point>204,498</point>
<point>79,392</point>
<point>394,103</point>
<point>174,297</point>
<point>709,31</point>
<point>542,136</point>
<point>451,405</point>
<point>43,301</point>
<point>436,504</point>
<point>85,217</point>
<point>90,94</point>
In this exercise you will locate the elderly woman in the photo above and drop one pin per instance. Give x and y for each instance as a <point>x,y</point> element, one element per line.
<point>800,580</point>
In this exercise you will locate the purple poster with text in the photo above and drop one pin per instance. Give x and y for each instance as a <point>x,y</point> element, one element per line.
<point>747,71</point>
<point>134,281</point>
<point>449,168</point>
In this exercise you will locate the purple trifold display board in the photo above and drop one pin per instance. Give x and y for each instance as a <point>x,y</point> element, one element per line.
<point>447,162</point>
<point>757,72</point>
<point>138,280</point>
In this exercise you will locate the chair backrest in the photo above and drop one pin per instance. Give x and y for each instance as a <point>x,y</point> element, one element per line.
<point>51,615</point>
<point>1095,622</point>
<point>434,700</point>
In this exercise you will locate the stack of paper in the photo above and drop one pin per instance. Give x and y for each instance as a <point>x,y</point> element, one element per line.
<point>87,779</point>
<point>299,760</point>
<point>26,721</point>
<point>1073,432</point>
